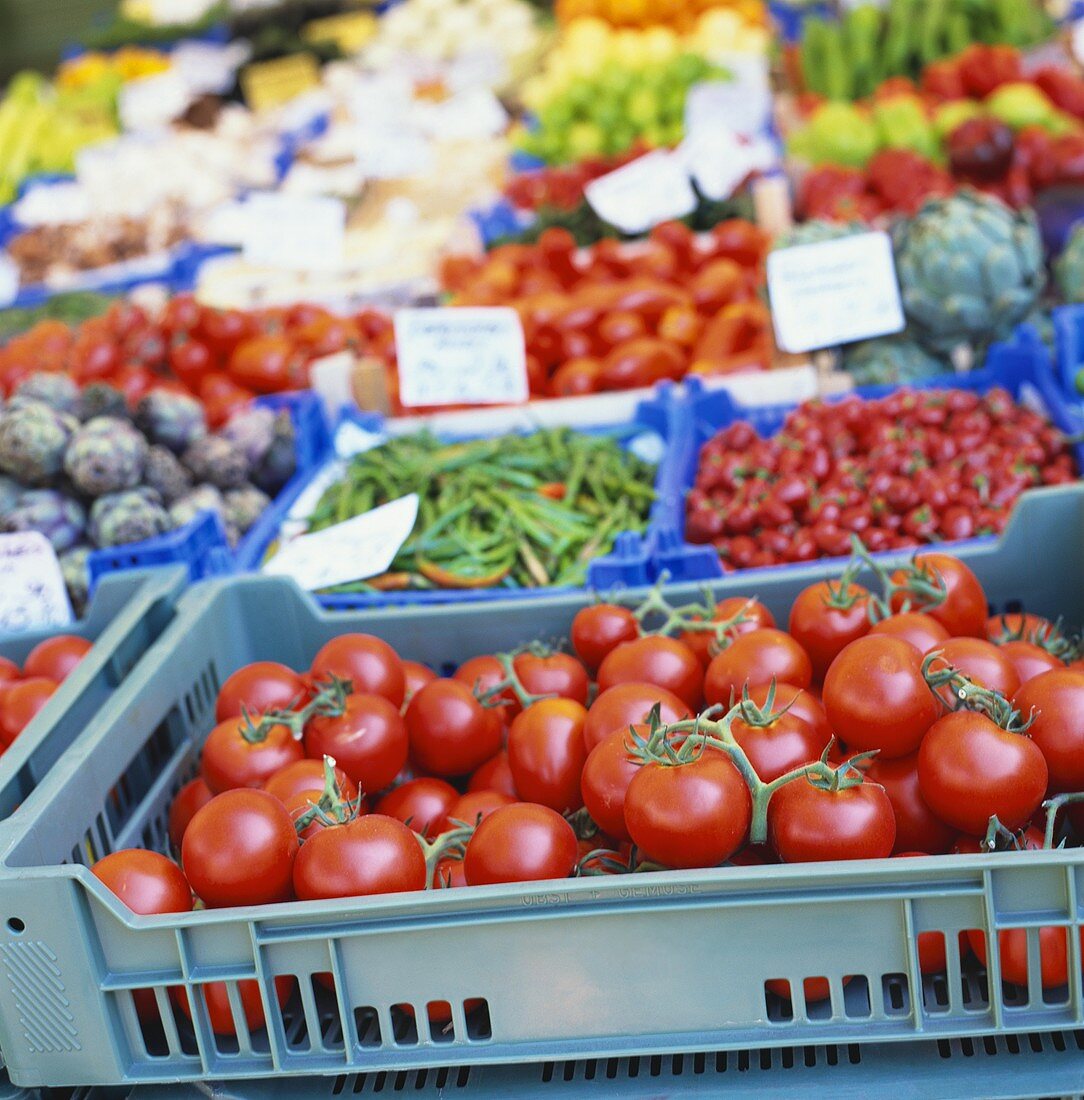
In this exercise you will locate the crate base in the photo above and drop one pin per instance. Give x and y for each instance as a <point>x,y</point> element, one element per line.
<point>1004,1067</point>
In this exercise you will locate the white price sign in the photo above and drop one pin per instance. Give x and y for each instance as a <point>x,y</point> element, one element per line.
<point>32,590</point>
<point>719,161</point>
<point>641,194</point>
<point>834,292</point>
<point>295,232</point>
<point>743,104</point>
<point>468,356</point>
<point>362,547</point>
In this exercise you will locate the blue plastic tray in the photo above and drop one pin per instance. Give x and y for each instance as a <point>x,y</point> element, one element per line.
<point>1068,359</point>
<point>630,562</point>
<point>560,966</point>
<point>1020,365</point>
<point>201,545</point>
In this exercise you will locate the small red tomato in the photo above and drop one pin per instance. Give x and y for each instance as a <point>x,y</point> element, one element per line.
<point>55,658</point>
<point>191,797</point>
<point>259,687</point>
<point>599,629</point>
<point>370,664</point>
<point>494,775</point>
<point>521,843</point>
<point>20,701</point>
<point>605,779</point>
<point>546,753</point>
<point>423,804</point>
<point>148,883</point>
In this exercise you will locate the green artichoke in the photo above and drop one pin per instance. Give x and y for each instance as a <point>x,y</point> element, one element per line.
<point>1069,268</point>
<point>164,473</point>
<point>50,388</point>
<point>105,455</point>
<point>33,439</point>
<point>174,420</point>
<point>130,516</point>
<point>217,461</point>
<point>244,506</point>
<point>73,566</point>
<point>58,517</point>
<point>970,270</point>
<point>102,399</point>
<point>891,360</point>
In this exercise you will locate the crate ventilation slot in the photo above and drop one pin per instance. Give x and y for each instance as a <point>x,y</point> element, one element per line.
<point>368,1084</point>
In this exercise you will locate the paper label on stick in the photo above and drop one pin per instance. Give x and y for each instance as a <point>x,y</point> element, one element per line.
<point>460,356</point>
<point>32,590</point>
<point>834,292</point>
<point>641,194</point>
<point>355,550</point>
<point>294,232</point>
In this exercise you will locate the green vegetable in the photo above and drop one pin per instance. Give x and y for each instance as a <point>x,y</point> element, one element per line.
<point>72,309</point>
<point>521,511</point>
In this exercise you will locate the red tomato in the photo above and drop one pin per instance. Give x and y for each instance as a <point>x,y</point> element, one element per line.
<point>754,615</point>
<point>371,666</point>
<point>970,769</point>
<point>642,362</point>
<point>658,660</point>
<point>9,671</point>
<point>216,998</point>
<point>689,815</point>
<point>301,803</point>
<point>963,611</point>
<point>450,872</point>
<point>259,687</point>
<point>191,797</point>
<point>628,705</point>
<point>472,807</point>
<point>559,674</point>
<point>482,675</point>
<point>19,702</point>
<point>369,855</point>
<point>875,696</point>
<point>756,658</point>
<point>575,377</point>
<point>983,662</point>
<point>546,753</point>
<point>1056,701</point>
<point>600,629</point>
<point>223,330</point>
<point>181,314</point>
<point>494,775</point>
<point>368,741</point>
<point>605,779</point>
<point>823,629</point>
<point>307,775</point>
<point>423,804</point>
<point>55,658</point>
<point>415,677</point>
<point>191,361</point>
<point>1014,626</point>
<point>451,733</point>
<point>1013,955</point>
<point>775,749</point>
<point>239,849</point>
<point>233,758</point>
<point>266,364</point>
<point>521,843</point>
<point>146,882</point>
<point>797,701</point>
<point>1029,660</point>
<point>808,823</point>
<point>918,828</point>
<point>923,631</point>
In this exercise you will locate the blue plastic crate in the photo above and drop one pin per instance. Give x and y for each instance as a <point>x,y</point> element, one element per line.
<point>125,616</point>
<point>499,219</point>
<point>201,546</point>
<point>1020,365</point>
<point>629,563</point>
<point>790,18</point>
<point>559,965</point>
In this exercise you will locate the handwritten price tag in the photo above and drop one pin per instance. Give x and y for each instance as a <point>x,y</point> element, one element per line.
<point>641,194</point>
<point>362,547</point>
<point>295,232</point>
<point>835,292</point>
<point>32,591</point>
<point>470,356</point>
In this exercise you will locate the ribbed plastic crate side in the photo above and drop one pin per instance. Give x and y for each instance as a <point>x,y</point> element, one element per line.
<point>112,790</point>
<point>126,615</point>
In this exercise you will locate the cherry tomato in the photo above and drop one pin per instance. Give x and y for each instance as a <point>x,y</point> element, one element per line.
<point>232,756</point>
<point>605,779</point>
<point>559,674</point>
<point>369,855</point>
<point>918,828</point>
<point>756,658</point>
<point>368,740</point>
<point>494,775</point>
<point>970,769</point>
<point>259,687</point>
<point>472,807</point>
<point>423,804</point>
<point>415,677</point>
<point>963,612</point>
<point>875,696</point>
<point>55,658</point>
<point>451,733</point>
<point>371,666</point>
<point>923,631</point>
<point>520,843</point>
<point>546,753</point>
<point>239,849</point>
<point>658,660</point>
<point>1056,702</point>
<point>822,626</point>
<point>307,775</point>
<point>628,705</point>
<point>780,747</point>
<point>19,703</point>
<point>191,797</point>
<point>600,629</point>
<point>808,823</point>
<point>146,882</point>
<point>690,815</point>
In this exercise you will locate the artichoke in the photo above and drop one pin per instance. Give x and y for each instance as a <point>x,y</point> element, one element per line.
<point>1069,268</point>
<point>816,232</point>
<point>244,507</point>
<point>216,461</point>
<point>164,473</point>
<point>970,269</point>
<point>33,439</point>
<point>57,391</point>
<point>280,462</point>
<point>73,566</point>
<point>252,431</point>
<point>174,420</point>
<point>102,399</point>
<point>204,498</point>
<point>59,518</point>
<point>891,360</point>
<point>130,516</point>
<point>106,455</point>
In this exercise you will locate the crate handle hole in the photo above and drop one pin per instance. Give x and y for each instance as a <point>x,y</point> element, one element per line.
<point>16,925</point>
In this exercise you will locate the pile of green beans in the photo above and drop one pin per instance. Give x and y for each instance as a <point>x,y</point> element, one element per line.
<point>520,511</point>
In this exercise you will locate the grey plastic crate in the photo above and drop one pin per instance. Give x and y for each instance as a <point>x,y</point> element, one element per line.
<point>598,968</point>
